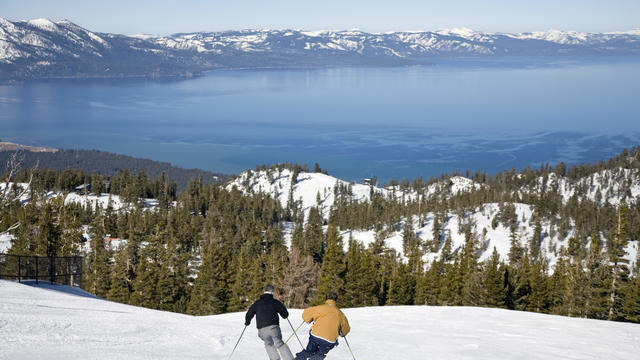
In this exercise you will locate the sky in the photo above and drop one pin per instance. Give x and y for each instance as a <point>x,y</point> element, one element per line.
<point>162,17</point>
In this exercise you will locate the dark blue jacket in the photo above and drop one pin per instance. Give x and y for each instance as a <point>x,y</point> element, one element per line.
<point>266,310</point>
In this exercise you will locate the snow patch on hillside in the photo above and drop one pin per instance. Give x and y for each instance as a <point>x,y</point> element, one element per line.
<point>310,186</point>
<point>307,188</point>
<point>611,184</point>
<point>6,240</point>
<point>615,187</point>
<point>104,200</point>
<point>93,200</point>
<point>488,238</point>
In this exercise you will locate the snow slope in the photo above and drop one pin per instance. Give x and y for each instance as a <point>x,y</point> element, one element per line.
<point>58,322</point>
<point>615,187</point>
<point>308,186</point>
<point>103,201</point>
<point>93,200</point>
<point>612,186</point>
<point>488,237</point>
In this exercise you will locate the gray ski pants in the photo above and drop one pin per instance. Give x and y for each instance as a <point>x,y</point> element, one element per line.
<point>272,338</point>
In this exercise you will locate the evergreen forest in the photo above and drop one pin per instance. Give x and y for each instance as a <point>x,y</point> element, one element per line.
<point>210,249</point>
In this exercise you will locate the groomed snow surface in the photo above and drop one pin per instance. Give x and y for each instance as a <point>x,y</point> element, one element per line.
<point>59,322</point>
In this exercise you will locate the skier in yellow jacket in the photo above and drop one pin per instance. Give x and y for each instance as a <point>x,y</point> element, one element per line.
<point>328,323</point>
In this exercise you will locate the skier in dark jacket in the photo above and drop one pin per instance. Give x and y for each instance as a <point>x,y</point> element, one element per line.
<point>266,310</point>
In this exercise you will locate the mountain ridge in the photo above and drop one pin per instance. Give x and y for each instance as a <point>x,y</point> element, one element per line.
<point>41,48</point>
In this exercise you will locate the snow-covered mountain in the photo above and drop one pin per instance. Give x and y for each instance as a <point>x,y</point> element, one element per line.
<point>611,186</point>
<point>618,186</point>
<point>41,48</point>
<point>60,322</point>
<point>408,44</point>
<point>309,186</point>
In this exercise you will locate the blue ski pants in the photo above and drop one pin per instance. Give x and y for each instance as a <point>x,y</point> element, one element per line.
<point>317,349</point>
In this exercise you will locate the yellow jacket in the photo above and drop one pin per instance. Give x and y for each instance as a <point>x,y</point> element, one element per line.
<point>328,321</point>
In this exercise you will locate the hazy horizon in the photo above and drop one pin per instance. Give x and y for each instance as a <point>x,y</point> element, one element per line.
<point>88,27</point>
<point>165,18</point>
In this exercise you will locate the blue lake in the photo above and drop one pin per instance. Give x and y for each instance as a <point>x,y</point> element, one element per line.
<point>394,123</point>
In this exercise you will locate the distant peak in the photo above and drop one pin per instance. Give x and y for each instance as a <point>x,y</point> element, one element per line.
<point>44,24</point>
<point>460,31</point>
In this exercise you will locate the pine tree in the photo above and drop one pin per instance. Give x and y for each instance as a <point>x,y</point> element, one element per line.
<point>539,298</point>
<point>408,238</point>
<point>516,251</point>
<point>559,285</point>
<point>172,287</point>
<point>596,305</point>
<point>493,282</point>
<point>120,290</point>
<point>522,285</point>
<point>210,294</point>
<point>451,294</point>
<point>71,231</point>
<point>430,285</point>
<point>26,235</point>
<point>447,248</point>
<point>297,236</point>
<point>619,268</point>
<point>333,267</point>
<point>400,292</point>
<point>360,277</point>
<point>415,266</point>
<point>436,232</point>
<point>145,285</point>
<point>534,247</point>
<point>49,232</point>
<point>313,240</point>
<point>471,291</point>
<point>631,304</point>
<point>241,290</point>
<point>98,269</point>
<point>579,290</point>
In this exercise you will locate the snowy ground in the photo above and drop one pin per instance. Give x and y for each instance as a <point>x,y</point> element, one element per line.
<point>58,322</point>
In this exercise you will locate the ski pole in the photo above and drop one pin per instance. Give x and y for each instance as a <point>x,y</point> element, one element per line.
<point>290,336</point>
<point>347,342</point>
<point>238,342</point>
<point>295,332</point>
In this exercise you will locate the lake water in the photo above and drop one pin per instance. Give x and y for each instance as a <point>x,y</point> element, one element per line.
<point>394,123</point>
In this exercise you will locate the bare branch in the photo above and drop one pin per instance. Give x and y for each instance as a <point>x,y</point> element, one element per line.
<point>10,229</point>
<point>27,188</point>
<point>14,164</point>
